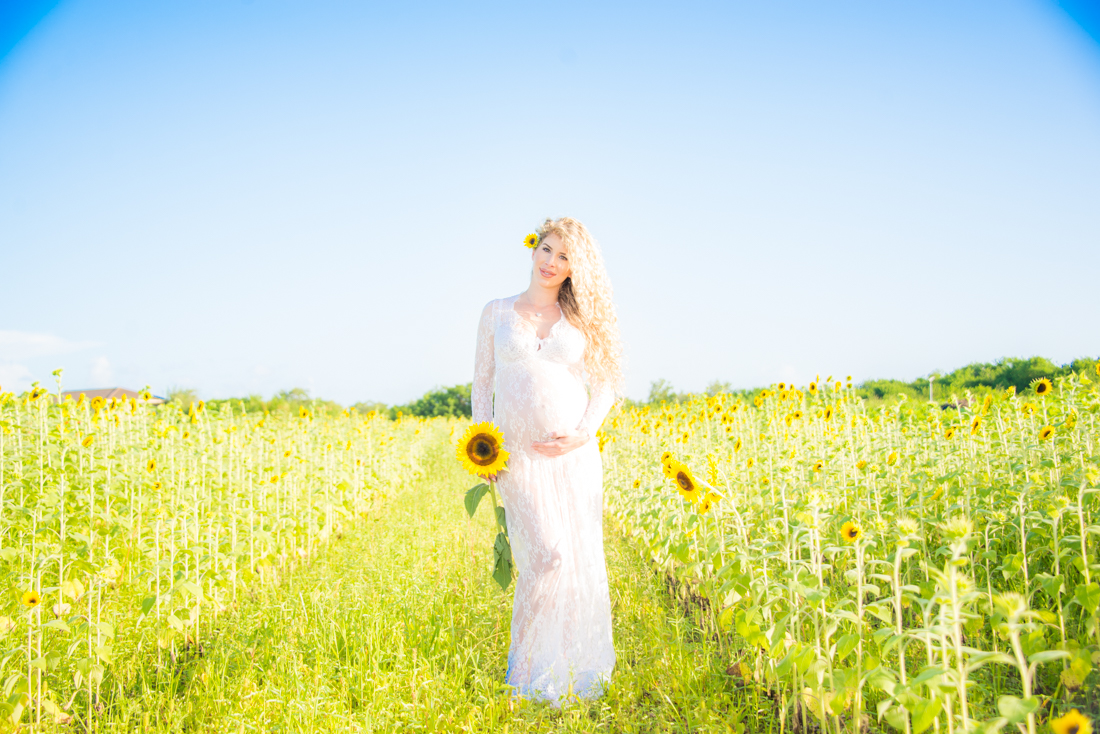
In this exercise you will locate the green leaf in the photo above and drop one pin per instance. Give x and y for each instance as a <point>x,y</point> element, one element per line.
<point>1046,656</point>
<point>473,497</point>
<point>501,520</point>
<point>147,604</point>
<point>57,624</point>
<point>845,645</point>
<point>1016,709</point>
<point>924,713</point>
<point>1088,596</point>
<point>502,561</point>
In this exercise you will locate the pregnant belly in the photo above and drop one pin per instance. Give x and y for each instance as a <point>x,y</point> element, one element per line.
<point>534,399</point>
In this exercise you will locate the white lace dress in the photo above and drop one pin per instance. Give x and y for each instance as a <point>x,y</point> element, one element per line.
<point>561,618</point>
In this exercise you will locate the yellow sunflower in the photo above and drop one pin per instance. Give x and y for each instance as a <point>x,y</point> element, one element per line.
<point>861,465</point>
<point>481,449</point>
<point>818,466</point>
<point>949,433</point>
<point>975,425</point>
<point>707,502</point>
<point>87,440</point>
<point>685,482</point>
<point>1046,432</point>
<point>1042,387</point>
<point>892,458</point>
<point>152,465</point>
<point>813,388</point>
<point>829,413</point>
<point>1072,723</point>
<point>531,241</point>
<point>851,532</point>
<point>737,445</point>
<point>31,599</point>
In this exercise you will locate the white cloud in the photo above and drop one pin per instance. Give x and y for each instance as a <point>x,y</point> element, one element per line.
<point>27,345</point>
<point>102,372</point>
<point>14,377</point>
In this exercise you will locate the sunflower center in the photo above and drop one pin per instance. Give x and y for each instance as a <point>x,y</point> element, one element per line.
<point>684,481</point>
<point>1073,729</point>
<point>852,532</point>
<point>482,449</point>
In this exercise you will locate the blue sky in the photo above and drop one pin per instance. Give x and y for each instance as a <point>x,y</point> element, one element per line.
<point>243,197</point>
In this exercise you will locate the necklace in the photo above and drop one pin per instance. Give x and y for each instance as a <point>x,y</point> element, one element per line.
<point>537,313</point>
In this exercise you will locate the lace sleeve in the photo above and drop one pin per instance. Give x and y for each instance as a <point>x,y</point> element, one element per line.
<point>481,395</point>
<point>600,400</point>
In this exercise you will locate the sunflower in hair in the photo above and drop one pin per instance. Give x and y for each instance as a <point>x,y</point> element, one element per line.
<point>481,449</point>
<point>531,241</point>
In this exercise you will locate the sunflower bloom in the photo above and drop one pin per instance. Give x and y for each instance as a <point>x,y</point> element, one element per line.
<point>892,458</point>
<point>813,388</point>
<point>949,433</point>
<point>531,241</point>
<point>87,440</point>
<point>737,445</point>
<point>152,465</point>
<point>1072,723</point>
<point>685,482</point>
<point>975,425</point>
<point>1046,432</point>
<point>707,502</point>
<point>1042,387</point>
<point>31,599</point>
<point>861,465</point>
<point>818,466</point>
<point>481,449</point>
<point>851,532</point>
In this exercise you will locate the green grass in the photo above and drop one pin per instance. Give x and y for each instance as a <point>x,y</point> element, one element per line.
<point>398,626</point>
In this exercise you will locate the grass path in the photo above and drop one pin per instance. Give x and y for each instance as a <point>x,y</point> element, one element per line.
<point>398,627</point>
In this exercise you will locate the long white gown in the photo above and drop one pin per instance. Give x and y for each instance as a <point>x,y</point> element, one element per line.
<point>561,618</point>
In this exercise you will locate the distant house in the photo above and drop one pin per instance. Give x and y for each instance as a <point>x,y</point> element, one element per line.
<point>107,393</point>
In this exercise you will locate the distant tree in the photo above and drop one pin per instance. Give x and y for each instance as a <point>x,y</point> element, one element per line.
<point>183,397</point>
<point>368,406</point>
<point>717,387</point>
<point>448,401</point>
<point>660,391</point>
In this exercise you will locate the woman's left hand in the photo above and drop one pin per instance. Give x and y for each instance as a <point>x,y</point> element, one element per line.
<point>561,443</point>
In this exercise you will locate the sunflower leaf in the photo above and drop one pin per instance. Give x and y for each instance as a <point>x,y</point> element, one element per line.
<point>502,561</point>
<point>473,497</point>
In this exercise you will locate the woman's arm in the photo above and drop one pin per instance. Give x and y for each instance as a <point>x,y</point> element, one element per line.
<point>599,404</point>
<point>481,393</point>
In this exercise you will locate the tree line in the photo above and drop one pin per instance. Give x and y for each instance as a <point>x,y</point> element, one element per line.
<point>977,378</point>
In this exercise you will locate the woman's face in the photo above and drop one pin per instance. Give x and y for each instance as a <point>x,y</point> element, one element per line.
<point>551,264</point>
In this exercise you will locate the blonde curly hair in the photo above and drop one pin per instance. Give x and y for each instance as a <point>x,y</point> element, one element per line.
<point>585,299</point>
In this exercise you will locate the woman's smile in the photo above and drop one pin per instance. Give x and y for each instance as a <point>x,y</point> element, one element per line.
<point>546,273</point>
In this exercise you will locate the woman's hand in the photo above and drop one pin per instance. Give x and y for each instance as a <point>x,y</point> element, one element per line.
<point>489,478</point>
<point>561,443</point>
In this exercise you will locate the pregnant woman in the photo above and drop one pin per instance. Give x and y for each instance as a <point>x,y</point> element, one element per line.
<point>535,353</point>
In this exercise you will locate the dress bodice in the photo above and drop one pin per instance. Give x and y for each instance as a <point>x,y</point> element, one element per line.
<point>515,340</point>
<point>533,387</point>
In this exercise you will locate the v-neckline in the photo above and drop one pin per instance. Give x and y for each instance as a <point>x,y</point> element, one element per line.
<point>534,329</point>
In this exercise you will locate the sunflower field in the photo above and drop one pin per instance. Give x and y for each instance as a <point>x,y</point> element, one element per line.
<point>790,559</point>
<point>901,568</point>
<point>128,530</point>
